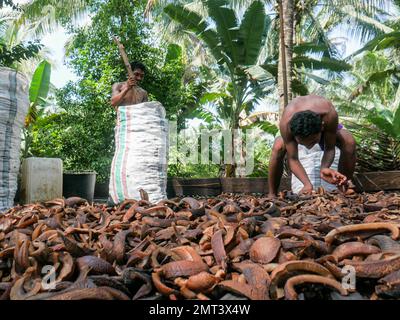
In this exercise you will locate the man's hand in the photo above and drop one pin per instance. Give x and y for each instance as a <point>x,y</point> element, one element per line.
<point>333,177</point>
<point>307,189</point>
<point>131,83</point>
<point>272,196</point>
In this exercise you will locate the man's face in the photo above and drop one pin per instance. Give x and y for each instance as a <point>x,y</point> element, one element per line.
<point>138,75</point>
<point>309,141</point>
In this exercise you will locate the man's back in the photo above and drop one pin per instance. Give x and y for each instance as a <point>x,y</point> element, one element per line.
<point>317,104</point>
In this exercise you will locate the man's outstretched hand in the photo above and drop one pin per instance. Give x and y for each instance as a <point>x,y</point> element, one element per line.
<point>307,189</point>
<point>333,177</point>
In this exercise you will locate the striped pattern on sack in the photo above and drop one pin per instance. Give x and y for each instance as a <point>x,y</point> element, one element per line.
<point>14,104</point>
<point>141,152</point>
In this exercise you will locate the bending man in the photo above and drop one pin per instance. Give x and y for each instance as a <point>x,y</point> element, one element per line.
<point>309,120</point>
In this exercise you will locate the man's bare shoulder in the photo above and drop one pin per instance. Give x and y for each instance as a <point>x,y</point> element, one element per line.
<point>117,85</point>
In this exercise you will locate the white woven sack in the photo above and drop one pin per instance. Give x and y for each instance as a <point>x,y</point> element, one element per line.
<point>14,105</point>
<point>141,153</point>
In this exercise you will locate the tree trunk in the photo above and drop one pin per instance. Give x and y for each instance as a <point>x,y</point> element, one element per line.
<point>286,13</point>
<point>230,169</point>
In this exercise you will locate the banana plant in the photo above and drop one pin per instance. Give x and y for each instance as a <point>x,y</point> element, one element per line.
<point>38,92</point>
<point>387,121</point>
<point>378,140</point>
<point>235,46</point>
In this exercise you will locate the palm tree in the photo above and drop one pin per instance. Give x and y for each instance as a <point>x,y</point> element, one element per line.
<point>314,19</point>
<point>286,15</point>
<point>47,15</point>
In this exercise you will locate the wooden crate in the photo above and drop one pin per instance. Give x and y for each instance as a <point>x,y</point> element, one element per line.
<point>250,185</point>
<point>193,187</point>
<point>377,181</point>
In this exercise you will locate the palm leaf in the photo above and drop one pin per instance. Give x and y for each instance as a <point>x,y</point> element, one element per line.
<point>204,115</point>
<point>265,126</point>
<point>382,123</point>
<point>376,77</point>
<point>227,27</point>
<point>211,96</point>
<point>40,84</point>
<point>310,47</point>
<point>49,14</point>
<point>195,23</point>
<point>370,154</point>
<point>252,33</point>
<point>316,78</point>
<point>322,64</point>
<point>299,87</point>
<point>380,42</point>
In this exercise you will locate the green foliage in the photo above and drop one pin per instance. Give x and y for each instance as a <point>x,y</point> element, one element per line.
<point>4,3</point>
<point>369,100</point>
<point>387,121</point>
<point>47,134</point>
<point>262,154</point>
<point>38,91</point>
<point>83,135</point>
<point>252,33</point>
<point>40,83</point>
<point>377,149</point>
<point>309,57</point>
<point>381,42</point>
<point>235,47</point>
<point>265,126</point>
<point>10,56</point>
<point>87,137</point>
<point>181,170</point>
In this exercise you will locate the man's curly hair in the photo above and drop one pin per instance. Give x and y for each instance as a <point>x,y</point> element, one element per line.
<point>138,65</point>
<point>305,123</point>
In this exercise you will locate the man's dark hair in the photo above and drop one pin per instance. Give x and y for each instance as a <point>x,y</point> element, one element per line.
<point>138,65</point>
<point>305,123</point>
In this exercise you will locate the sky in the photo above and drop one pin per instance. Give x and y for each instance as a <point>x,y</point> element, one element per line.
<point>55,42</point>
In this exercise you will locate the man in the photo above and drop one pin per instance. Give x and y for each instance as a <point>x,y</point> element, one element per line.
<point>129,92</point>
<point>309,120</point>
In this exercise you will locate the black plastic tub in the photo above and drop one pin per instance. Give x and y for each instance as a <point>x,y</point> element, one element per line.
<point>79,184</point>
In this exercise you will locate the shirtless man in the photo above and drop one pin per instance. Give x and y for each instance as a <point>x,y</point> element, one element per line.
<point>128,93</point>
<point>309,120</point>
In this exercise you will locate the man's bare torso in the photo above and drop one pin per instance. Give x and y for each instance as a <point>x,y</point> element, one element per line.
<point>135,95</point>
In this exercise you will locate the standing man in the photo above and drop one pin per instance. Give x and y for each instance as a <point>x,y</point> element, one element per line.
<point>308,120</point>
<point>129,92</point>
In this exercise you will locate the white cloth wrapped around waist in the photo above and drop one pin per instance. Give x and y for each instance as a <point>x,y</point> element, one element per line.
<point>311,161</point>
